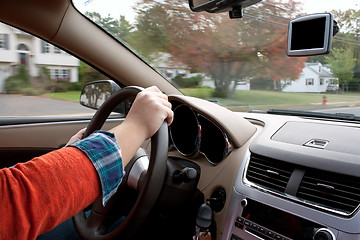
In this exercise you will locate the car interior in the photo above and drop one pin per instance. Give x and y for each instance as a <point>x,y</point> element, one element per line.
<point>213,173</point>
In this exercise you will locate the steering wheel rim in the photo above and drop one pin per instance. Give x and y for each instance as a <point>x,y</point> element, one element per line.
<point>92,227</point>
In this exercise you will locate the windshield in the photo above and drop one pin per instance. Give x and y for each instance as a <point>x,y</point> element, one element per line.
<point>241,63</point>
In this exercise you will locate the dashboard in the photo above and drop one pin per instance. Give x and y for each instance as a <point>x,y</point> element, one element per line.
<point>285,177</point>
<point>298,180</point>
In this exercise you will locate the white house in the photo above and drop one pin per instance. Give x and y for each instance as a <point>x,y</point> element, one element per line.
<point>314,78</point>
<point>165,63</point>
<point>20,48</point>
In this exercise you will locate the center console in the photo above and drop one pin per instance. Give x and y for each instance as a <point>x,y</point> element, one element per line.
<point>258,214</point>
<point>261,221</point>
<point>299,180</point>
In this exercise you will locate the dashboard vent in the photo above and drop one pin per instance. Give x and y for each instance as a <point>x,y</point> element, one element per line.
<point>338,192</point>
<point>269,173</point>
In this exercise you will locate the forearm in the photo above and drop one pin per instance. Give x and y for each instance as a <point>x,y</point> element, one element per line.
<point>129,138</point>
<point>38,195</point>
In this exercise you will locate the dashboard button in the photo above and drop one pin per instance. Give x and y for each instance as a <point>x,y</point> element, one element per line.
<point>240,220</point>
<point>261,229</point>
<point>278,237</point>
<point>247,223</point>
<point>254,226</point>
<point>269,233</point>
<point>239,225</point>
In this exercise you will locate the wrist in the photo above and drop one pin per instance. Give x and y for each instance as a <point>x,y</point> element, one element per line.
<point>129,136</point>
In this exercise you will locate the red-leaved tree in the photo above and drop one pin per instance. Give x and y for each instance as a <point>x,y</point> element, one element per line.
<point>227,50</point>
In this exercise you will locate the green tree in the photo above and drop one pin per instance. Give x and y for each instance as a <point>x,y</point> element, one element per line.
<point>153,27</point>
<point>342,64</point>
<point>349,38</point>
<point>89,74</point>
<point>119,28</point>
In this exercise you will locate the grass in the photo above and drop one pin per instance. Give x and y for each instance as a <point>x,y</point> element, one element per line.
<point>73,96</point>
<point>262,100</point>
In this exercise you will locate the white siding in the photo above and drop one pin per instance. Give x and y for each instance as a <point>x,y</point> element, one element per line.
<point>35,58</point>
<point>8,55</point>
<point>310,71</point>
<point>52,58</point>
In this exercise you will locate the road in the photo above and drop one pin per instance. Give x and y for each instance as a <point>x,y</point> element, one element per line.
<point>18,105</point>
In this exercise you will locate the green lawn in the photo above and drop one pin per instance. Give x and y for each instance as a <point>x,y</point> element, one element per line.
<point>262,100</point>
<point>73,96</point>
<point>254,99</point>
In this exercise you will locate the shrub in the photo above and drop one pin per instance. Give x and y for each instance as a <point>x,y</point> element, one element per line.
<point>184,82</point>
<point>31,91</point>
<point>15,84</point>
<point>71,86</point>
<point>56,88</point>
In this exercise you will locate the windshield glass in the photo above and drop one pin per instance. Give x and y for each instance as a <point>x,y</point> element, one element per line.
<point>241,63</point>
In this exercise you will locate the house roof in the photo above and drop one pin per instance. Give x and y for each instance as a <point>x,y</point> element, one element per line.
<point>324,71</point>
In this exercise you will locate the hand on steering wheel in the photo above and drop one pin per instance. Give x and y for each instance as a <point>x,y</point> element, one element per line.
<point>95,225</point>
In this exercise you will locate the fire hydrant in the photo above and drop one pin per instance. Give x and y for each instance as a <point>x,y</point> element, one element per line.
<point>324,100</point>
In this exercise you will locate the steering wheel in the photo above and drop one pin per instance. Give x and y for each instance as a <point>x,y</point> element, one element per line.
<point>95,225</point>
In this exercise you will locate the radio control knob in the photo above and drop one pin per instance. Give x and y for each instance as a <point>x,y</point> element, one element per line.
<point>244,202</point>
<point>324,234</point>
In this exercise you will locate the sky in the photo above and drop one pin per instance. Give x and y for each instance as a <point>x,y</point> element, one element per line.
<point>119,7</point>
<point>124,7</point>
<point>315,6</point>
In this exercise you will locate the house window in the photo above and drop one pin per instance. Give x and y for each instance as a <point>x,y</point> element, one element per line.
<point>65,74</point>
<point>333,81</point>
<point>57,50</point>
<point>60,74</point>
<point>321,81</point>
<point>57,74</point>
<point>309,81</point>
<point>4,41</point>
<point>45,47</point>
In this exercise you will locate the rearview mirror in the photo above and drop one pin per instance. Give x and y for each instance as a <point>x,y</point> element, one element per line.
<point>311,35</point>
<point>212,6</point>
<point>94,94</point>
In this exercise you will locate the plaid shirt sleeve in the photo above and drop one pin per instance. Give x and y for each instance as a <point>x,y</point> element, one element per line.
<point>105,154</point>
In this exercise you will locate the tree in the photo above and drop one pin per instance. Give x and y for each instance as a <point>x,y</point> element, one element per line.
<point>226,50</point>
<point>342,64</point>
<point>277,66</point>
<point>347,38</point>
<point>88,74</point>
<point>119,28</point>
<point>152,31</point>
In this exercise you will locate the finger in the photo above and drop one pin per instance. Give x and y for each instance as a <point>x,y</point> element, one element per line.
<point>156,90</point>
<point>170,117</point>
<point>158,94</point>
<point>82,131</point>
<point>152,89</point>
<point>164,102</point>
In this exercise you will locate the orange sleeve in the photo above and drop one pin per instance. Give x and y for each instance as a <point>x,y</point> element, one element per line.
<point>38,195</point>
